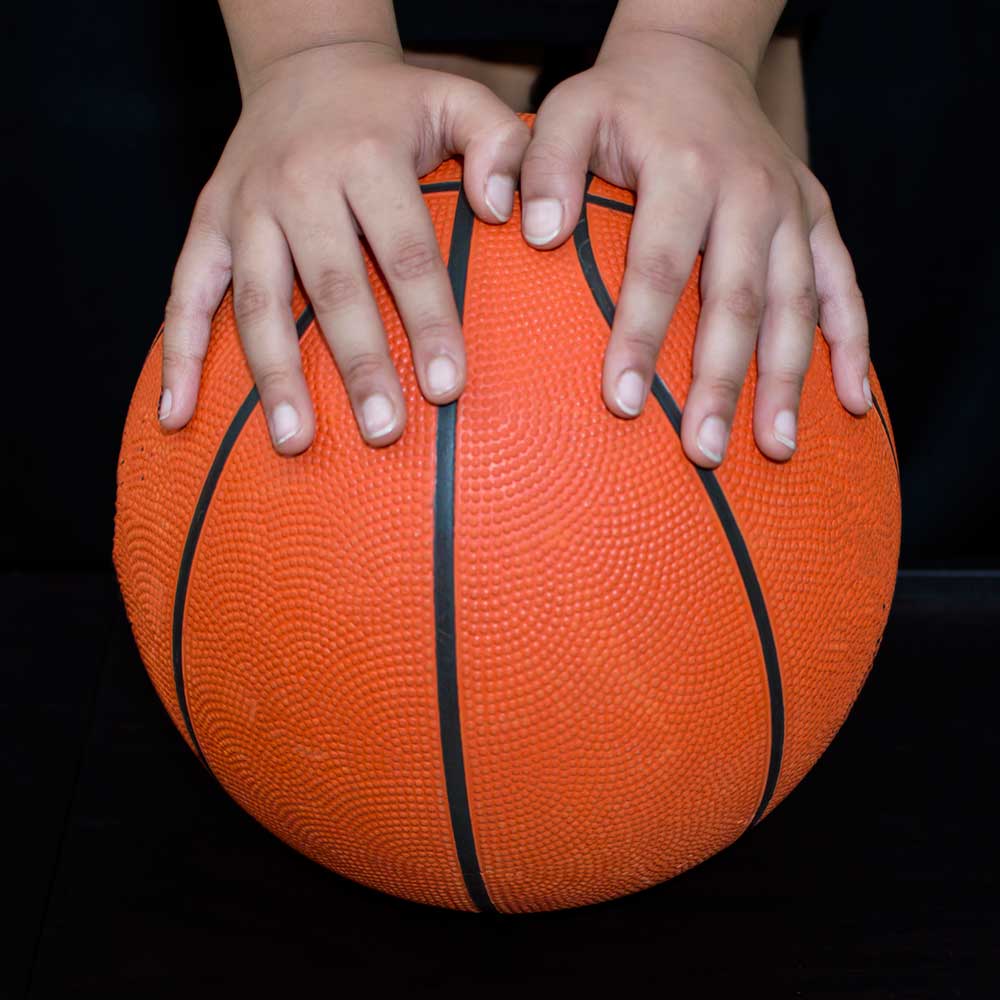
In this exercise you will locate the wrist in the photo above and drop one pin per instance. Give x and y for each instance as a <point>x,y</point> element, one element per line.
<point>340,54</point>
<point>267,34</point>
<point>739,31</point>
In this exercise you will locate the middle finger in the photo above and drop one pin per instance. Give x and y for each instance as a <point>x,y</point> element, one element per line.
<point>733,283</point>
<point>392,213</point>
<point>670,219</point>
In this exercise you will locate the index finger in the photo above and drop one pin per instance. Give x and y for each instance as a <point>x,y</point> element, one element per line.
<point>392,213</point>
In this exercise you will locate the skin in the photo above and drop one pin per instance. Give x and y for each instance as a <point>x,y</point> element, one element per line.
<point>510,81</point>
<point>330,144</point>
<point>780,85</point>
<point>335,131</point>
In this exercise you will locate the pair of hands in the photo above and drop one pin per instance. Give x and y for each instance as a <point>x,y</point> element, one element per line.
<point>331,143</point>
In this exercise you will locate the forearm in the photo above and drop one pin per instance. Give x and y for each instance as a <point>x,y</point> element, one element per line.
<point>740,28</point>
<point>781,91</point>
<point>261,32</point>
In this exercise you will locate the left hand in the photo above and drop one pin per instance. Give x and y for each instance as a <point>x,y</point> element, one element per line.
<point>677,120</point>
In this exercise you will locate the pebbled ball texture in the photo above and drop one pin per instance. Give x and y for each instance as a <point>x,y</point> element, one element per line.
<point>616,720</point>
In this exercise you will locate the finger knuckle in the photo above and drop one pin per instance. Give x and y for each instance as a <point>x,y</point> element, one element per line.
<point>514,130</point>
<point>803,305</point>
<point>722,385</point>
<point>506,136</point>
<point>178,357</point>
<point>189,302</point>
<point>296,171</point>
<point>178,308</point>
<point>745,304</point>
<point>207,208</point>
<point>182,317</point>
<point>335,288</point>
<point>413,257</point>
<point>644,345</point>
<point>365,149</point>
<point>818,199</point>
<point>661,271</point>
<point>249,193</point>
<point>251,301</point>
<point>691,162</point>
<point>760,181</point>
<point>472,90</point>
<point>547,158</point>
<point>273,375</point>
<point>787,376</point>
<point>847,297</point>
<point>432,329</point>
<point>564,93</point>
<point>787,178</point>
<point>363,369</point>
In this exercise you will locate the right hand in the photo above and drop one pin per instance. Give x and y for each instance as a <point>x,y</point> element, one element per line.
<point>331,143</point>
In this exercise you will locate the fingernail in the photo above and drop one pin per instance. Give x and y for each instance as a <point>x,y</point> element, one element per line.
<point>784,428</point>
<point>630,391</point>
<point>867,388</point>
<point>284,422</point>
<point>441,375</point>
<point>500,195</point>
<point>712,438</point>
<point>377,415</point>
<point>541,220</point>
<point>166,402</point>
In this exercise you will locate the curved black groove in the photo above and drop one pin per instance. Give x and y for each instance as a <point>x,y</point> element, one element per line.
<point>616,206</point>
<point>444,594</point>
<point>588,264</point>
<point>194,533</point>
<point>441,186</point>
<point>624,206</point>
<point>888,436</point>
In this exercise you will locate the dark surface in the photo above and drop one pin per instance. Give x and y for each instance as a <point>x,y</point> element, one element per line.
<point>121,109</point>
<point>135,875</point>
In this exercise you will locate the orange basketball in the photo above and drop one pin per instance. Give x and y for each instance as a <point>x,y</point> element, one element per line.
<point>530,656</point>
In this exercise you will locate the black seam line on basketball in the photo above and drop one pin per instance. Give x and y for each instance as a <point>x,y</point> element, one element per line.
<point>616,206</point>
<point>194,533</point>
<point>441,186</point>
<point>444,595</point>
<point>888,436</point>
<point>592,274</point>
<point>624,206</point>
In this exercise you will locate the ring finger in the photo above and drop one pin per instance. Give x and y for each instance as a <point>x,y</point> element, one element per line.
<point>329,260</point>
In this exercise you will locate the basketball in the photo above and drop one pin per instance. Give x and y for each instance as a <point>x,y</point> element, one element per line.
<point>530,656</point>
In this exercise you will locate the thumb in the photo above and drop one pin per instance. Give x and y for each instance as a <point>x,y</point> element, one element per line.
<point>554,169</point>
<point>492,140</point>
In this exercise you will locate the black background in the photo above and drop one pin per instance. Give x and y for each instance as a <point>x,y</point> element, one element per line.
<point>121,112</point>
<point>131,873</point>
